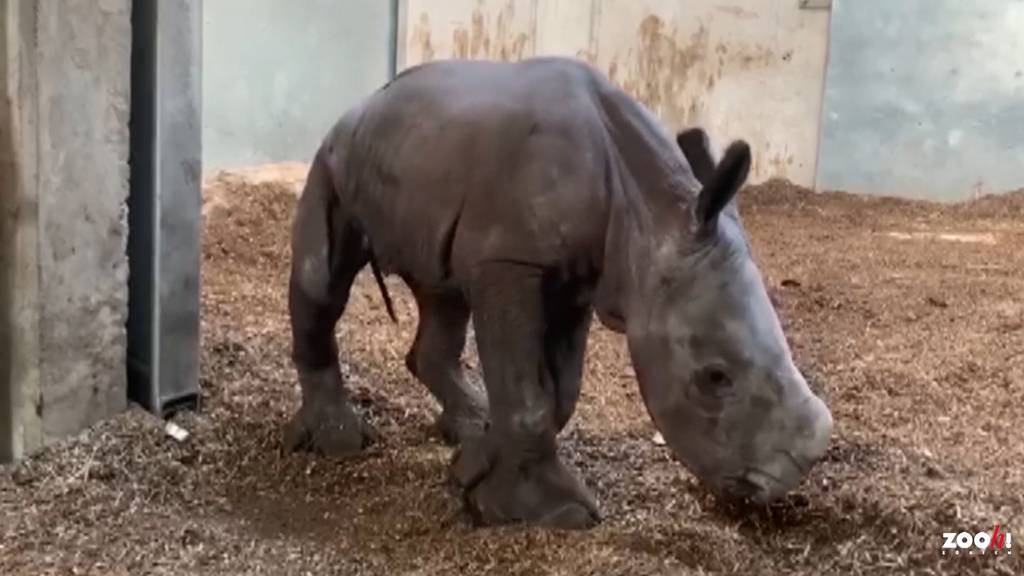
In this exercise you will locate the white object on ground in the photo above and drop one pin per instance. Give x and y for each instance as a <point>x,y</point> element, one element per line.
<point>176,432</point>
<point>658,439</point>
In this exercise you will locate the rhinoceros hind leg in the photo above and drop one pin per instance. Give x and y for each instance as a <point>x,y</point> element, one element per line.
<point>327,424</point>
<point>328,251</point>
<point>434,360</point>
<point>513,473</point>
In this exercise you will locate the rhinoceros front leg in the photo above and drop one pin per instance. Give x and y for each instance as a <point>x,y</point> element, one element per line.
<point>513,473</point>
<point>435,360</point>
<point>568,326</point>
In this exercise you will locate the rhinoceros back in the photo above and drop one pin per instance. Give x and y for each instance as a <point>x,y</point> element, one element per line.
<point>497,153</point>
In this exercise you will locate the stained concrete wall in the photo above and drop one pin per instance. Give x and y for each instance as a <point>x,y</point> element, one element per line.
<point>64,221</point>
<point>277,74</point>
<point>752,69</point>
<point>925,98</point>
<point>8,196</point>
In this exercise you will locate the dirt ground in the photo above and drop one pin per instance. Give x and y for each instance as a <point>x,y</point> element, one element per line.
<point>907,317</point>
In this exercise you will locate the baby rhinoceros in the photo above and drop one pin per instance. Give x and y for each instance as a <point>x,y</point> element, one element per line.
<point>533,196</point>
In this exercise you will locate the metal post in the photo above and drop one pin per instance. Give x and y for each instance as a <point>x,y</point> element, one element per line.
<point>165,205</point>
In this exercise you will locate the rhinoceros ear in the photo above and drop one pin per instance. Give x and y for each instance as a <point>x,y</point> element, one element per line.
<point>722,185</point>
<point>696,147</point>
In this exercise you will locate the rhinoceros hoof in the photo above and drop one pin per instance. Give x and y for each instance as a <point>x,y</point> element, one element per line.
<point>541,492</point>
<point>334,432</point>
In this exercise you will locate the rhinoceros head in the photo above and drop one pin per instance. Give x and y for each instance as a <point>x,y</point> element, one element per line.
<point>714,367</point>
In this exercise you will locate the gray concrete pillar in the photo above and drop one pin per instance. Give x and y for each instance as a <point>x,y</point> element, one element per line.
<point>8,195</point>
<point>63,223</point>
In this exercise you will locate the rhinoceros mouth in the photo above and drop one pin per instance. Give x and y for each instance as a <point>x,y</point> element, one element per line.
<point>755,486</point>
<point>803,467</point>
<point>739,488</point>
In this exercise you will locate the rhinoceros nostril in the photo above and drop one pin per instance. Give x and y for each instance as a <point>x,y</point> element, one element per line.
<point>713,381</point>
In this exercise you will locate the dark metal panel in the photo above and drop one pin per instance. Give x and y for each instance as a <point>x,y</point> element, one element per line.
<point>179,30</point>
<point>165,217</point>
<point>142,207</point>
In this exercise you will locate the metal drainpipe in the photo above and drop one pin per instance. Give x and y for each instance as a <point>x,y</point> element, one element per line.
<point>393,39</point>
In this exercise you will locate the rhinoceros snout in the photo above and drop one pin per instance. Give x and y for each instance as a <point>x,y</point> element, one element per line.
<point>789,464</point>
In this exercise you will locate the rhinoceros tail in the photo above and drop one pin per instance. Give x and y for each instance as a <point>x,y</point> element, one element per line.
<point>383,288</point>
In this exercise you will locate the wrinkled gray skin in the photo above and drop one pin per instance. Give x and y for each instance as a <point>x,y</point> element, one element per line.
<point>534,195</point>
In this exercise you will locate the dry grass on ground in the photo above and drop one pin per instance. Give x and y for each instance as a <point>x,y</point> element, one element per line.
<point>915,339</point>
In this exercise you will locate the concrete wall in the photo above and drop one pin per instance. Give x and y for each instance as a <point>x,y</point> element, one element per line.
<point>8,203</point>
<point>64,228</point>
<point>752,69</point>
<point>277,74</point>
<point>925,98</point>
